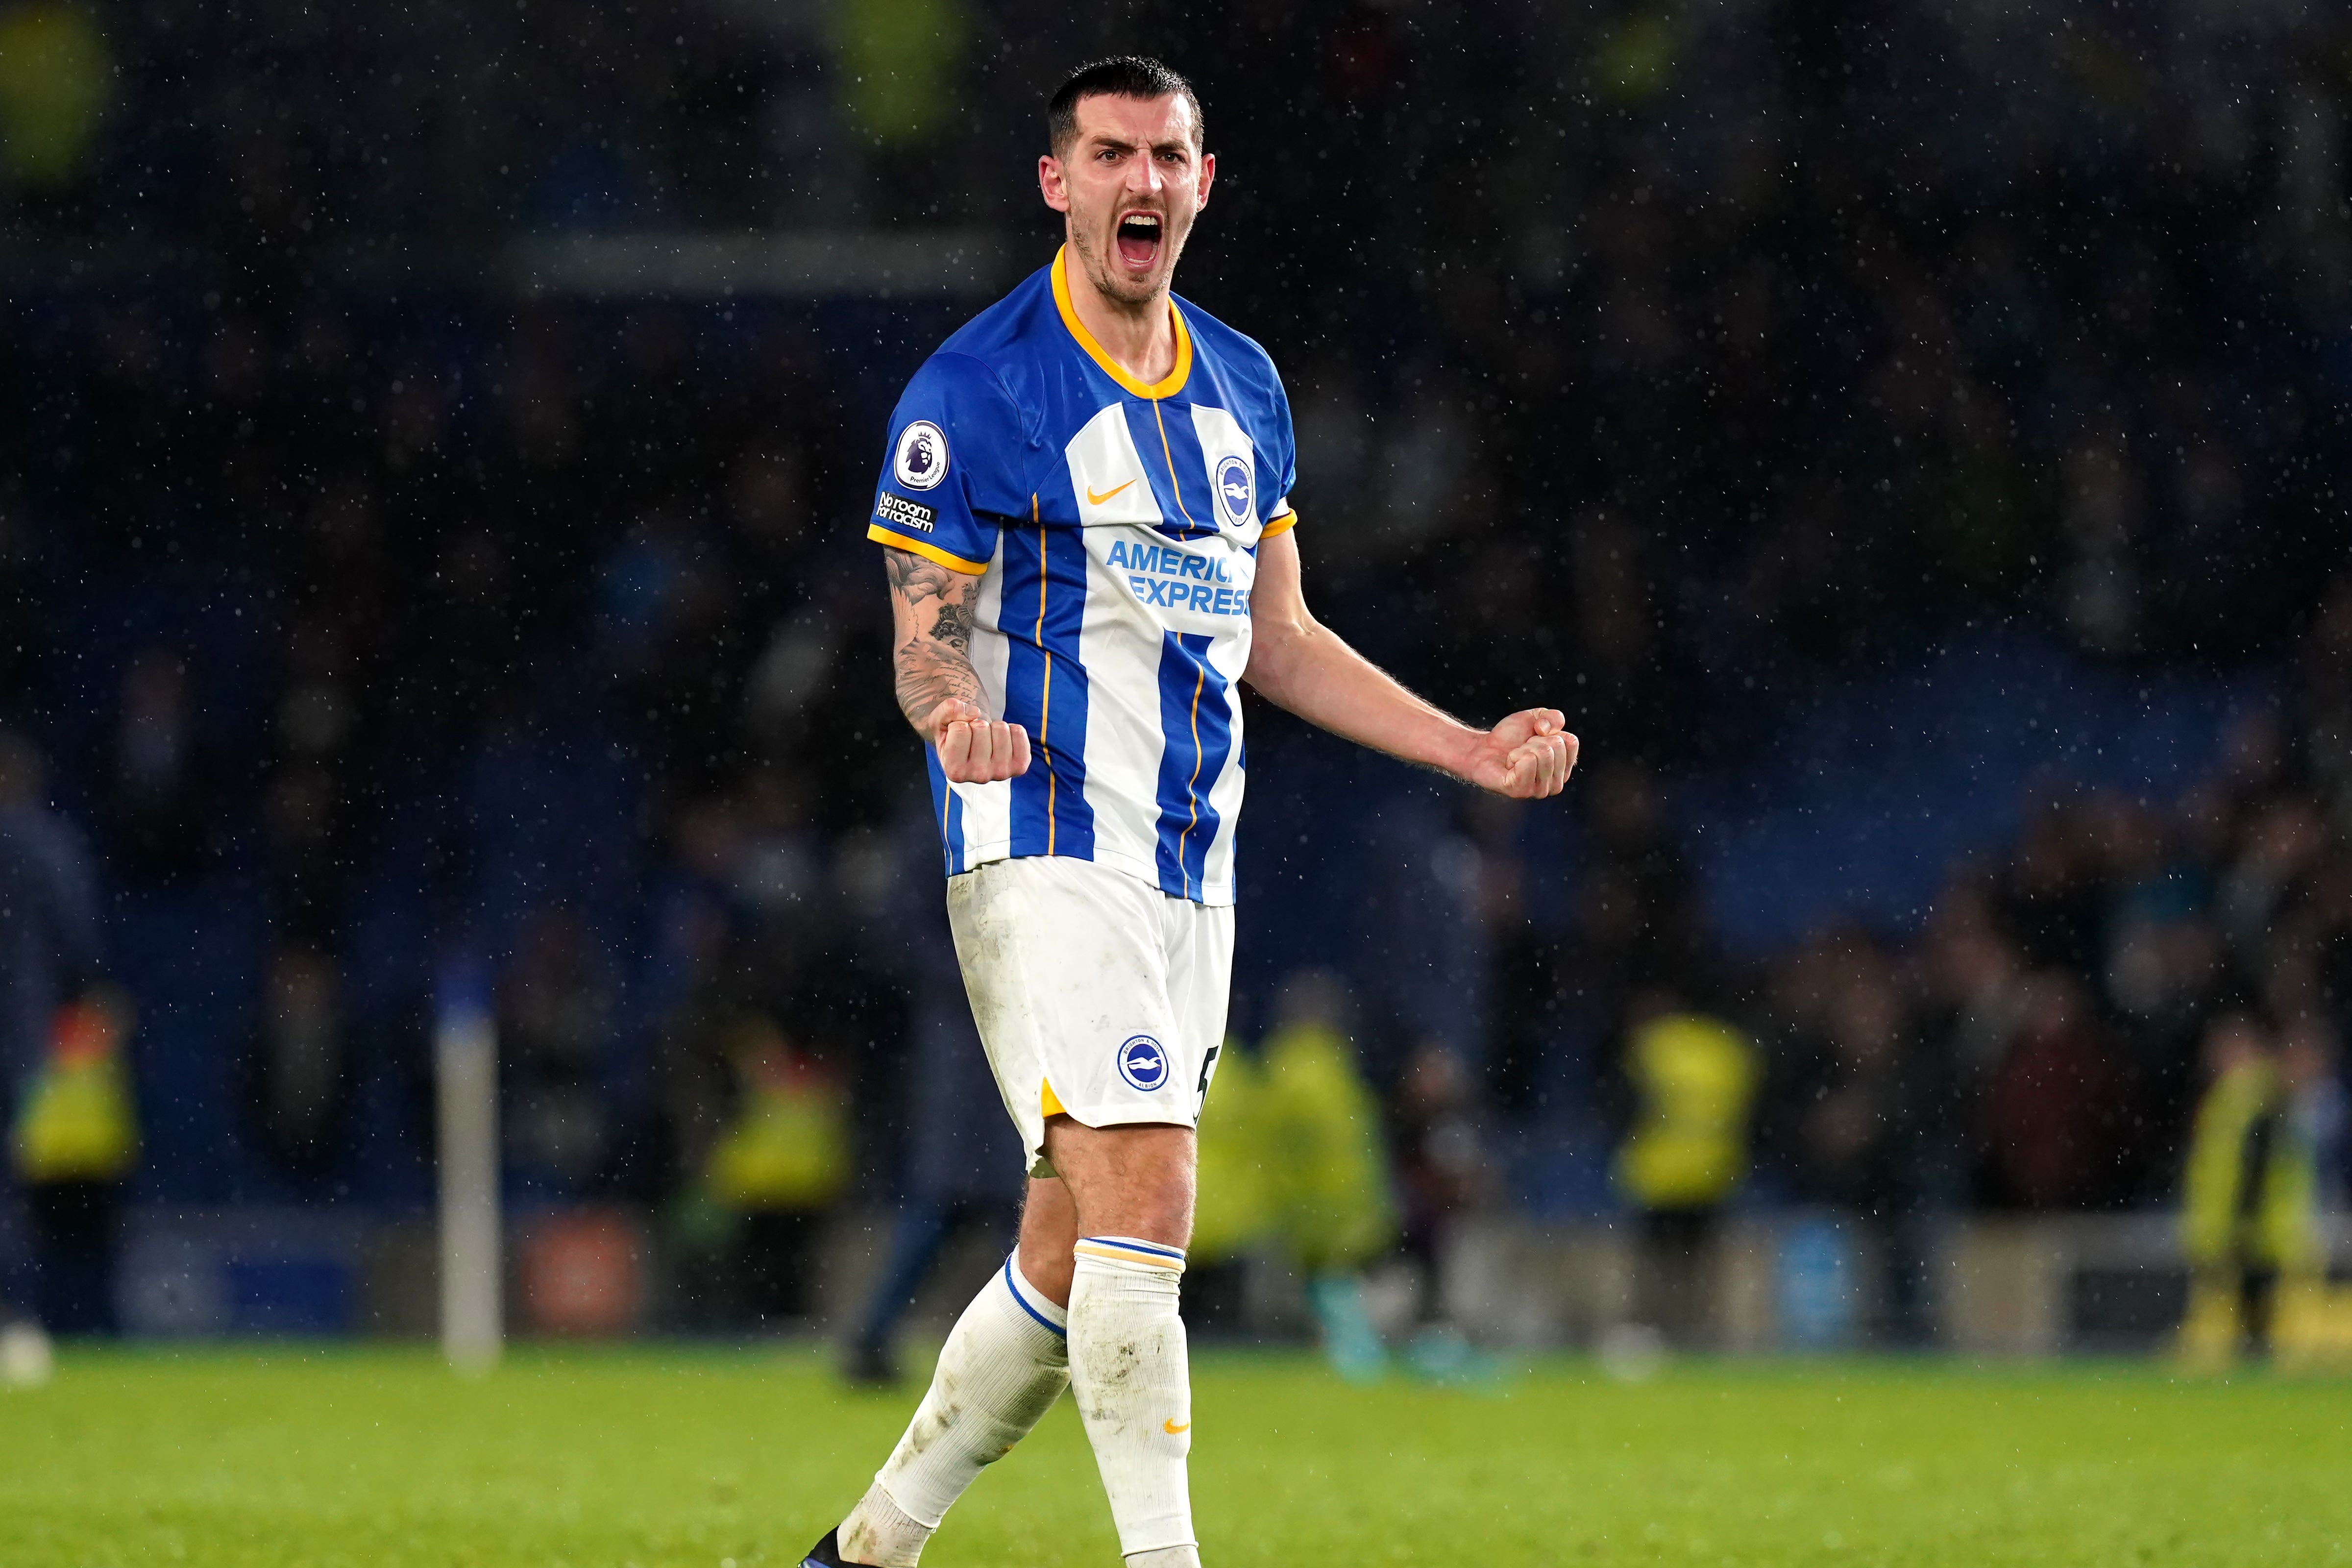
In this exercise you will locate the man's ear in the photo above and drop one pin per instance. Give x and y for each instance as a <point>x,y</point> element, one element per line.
<point>1208,177</point>
<point>1052,184</point>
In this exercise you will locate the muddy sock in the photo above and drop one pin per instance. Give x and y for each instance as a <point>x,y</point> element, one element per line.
<point>1127,1367</point>
<point>1002,1367</point>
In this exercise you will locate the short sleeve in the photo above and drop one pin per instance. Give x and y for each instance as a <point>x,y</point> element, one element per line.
<point>1282,465</point>
<point>952,473</point>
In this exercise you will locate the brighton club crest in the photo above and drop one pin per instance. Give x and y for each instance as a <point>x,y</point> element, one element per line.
<point>1235,493</point>
<point>1143,1062</point>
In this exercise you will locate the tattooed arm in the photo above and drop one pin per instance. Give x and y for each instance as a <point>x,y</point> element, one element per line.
<point>939,690</point>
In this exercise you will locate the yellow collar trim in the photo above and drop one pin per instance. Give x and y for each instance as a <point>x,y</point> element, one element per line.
<point>1169,387</point>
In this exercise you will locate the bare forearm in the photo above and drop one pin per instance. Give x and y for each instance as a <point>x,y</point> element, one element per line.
<point>1307,669</point>
<point>1298,663</point>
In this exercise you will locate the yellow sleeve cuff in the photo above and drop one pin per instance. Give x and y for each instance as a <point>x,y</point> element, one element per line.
<point>1282,524</point>
<point>881,535</point>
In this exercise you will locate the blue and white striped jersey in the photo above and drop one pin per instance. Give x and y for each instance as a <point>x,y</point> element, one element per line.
<point>1115,526</point>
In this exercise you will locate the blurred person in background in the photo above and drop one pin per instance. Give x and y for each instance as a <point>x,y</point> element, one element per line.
<point>1848,1111</point>
<point>759,1128</point>
<point>2054,1126</point>
<point>55,71</point>
<point>1971,980</point>
<point>74,1145</point>
<point>1445,1173</point>
<point>1233,1205</point>
<point>73,1135</point>
<point>2248,1219</point>
<point>1695,1079</point>
<point>1326,1185</point>
<point>1417,1027</point>
<point>772,1004</point>
<point>778,1167</point>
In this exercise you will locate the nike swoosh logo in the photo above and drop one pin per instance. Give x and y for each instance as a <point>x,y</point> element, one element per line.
<point>1094,500</point>
<point>1172,1428</point>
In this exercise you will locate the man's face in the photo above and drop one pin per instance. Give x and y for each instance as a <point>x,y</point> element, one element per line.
<point>1132,182</point>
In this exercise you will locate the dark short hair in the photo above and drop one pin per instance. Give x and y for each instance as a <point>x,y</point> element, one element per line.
<point>1121,76</point>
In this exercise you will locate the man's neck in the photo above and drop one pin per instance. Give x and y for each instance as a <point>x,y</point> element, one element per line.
<point>1139,338</point>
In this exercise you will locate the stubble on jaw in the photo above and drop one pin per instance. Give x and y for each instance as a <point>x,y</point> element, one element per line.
<point>1114,284</point>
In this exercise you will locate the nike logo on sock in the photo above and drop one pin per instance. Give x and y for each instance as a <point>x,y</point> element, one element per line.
<point>1174,1428</point>
<point>1097,499</point>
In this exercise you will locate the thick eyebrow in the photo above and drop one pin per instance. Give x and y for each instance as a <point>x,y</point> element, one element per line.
<point>1101,142</point>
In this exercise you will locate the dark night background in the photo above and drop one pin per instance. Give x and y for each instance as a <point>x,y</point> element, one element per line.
<point>1908,440</point>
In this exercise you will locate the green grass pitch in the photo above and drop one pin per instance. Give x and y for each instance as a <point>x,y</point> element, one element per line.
<point>660,1457</point>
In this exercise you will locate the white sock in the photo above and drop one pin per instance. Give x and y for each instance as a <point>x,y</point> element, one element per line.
<point>1127,1367</point>
<point>1003,1365</point>
<point>879,1532</point>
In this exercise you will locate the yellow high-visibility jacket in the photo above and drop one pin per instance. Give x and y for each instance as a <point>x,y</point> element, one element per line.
<point>1231,1210</point>
<point>1696,1079</point>
<point>788,1150</point>
<point>2275,1224</point>
<point>1327,1155</point>
<point>77,1122</point>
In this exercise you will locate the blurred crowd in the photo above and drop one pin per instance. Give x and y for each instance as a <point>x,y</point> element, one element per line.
<point>2044,1041</point>
<point>2059,1013</point>
<point>1663,363</point>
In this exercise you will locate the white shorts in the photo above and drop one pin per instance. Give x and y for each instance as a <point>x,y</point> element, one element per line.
<point>1096,995</point>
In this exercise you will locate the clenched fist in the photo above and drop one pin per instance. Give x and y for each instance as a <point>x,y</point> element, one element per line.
<point>974,748</point>
<point>1526,756</point>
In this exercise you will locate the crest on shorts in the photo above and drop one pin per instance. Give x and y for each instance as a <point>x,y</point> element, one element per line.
<point>1143,1062</point>
<point>921,459</point>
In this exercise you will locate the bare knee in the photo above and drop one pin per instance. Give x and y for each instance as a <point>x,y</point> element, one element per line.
<point>1126,1180</point>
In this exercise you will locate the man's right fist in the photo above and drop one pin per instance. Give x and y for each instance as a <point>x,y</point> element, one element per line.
<point>974,748</point>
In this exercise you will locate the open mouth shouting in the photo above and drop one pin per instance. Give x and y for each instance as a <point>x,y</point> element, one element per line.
<point>1139,236</point>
